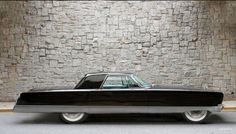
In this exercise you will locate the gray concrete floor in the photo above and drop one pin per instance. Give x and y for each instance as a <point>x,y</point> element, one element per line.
<point>22,123</point>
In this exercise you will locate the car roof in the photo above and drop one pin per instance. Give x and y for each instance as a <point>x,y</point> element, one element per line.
<point>108,73</point>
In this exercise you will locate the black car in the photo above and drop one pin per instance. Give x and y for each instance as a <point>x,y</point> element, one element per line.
<point>100,93</point>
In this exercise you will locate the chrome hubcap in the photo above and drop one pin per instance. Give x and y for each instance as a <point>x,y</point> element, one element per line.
<point>196,115</point>
<point>73,116</point>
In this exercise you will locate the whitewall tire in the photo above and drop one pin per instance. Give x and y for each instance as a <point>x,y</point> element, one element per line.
<point>196,116</point>
<point>73,117</point>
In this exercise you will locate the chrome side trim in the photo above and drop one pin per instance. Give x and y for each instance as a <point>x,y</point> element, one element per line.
<point>111,109</point>
<point>118,90</point>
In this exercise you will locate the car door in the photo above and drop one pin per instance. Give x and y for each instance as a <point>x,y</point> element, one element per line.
<point>117,91</point>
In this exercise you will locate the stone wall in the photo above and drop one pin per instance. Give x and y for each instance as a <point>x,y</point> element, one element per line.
<point>167,43</point>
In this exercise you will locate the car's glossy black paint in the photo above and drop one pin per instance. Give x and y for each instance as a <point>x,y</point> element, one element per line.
<point>150,97</point>
<point>155,96</point>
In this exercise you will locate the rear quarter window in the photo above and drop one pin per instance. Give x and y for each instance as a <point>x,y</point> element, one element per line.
<point>91,82</point>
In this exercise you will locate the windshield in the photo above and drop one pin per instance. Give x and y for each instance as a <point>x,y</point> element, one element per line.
<point>142,82</point>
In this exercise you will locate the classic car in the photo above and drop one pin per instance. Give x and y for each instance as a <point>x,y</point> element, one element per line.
<point>113,92</point>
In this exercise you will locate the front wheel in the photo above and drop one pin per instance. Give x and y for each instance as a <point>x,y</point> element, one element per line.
<point>73,117</point>
<point>196,116</point>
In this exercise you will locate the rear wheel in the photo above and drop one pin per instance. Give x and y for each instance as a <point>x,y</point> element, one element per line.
<point>73,117</point>
<point>196,116</point>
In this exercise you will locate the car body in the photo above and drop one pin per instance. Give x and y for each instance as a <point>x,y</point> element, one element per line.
<point>111,92</point>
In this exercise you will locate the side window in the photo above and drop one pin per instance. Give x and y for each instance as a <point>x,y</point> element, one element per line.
<point>131,82</point>
<point>115,81</point>
<point>91,82</point>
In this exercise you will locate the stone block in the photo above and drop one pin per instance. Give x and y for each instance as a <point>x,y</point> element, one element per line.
<point>139,46</point>
<point>53,63</point>
<point>42,52</point>
<point>44,11</point>
<point>233,61</point>
<point>138,67</point>
<point>56,3</point>
<point>138,53</point>
<point>1,82</point>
